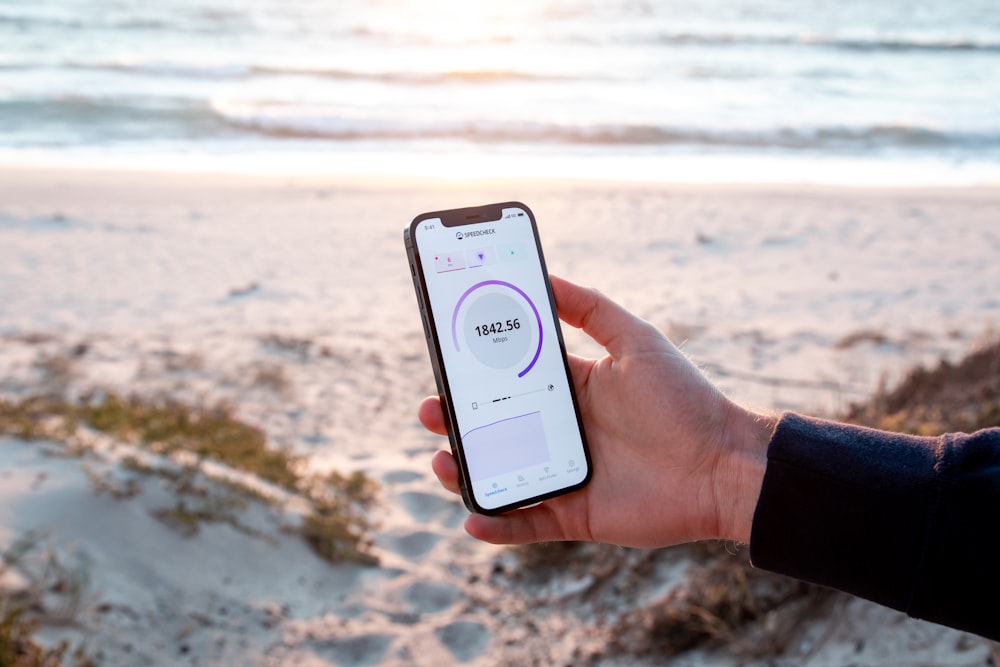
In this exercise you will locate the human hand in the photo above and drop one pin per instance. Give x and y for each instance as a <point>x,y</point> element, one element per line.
<point>673,459</point>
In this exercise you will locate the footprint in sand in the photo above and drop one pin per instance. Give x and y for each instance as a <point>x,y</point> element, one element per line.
<point>466,640</point>
<point>401,476</point>
<point>359,651</point>
<point>426,507</point>
<point>425,597</point>
<point>412,545</point>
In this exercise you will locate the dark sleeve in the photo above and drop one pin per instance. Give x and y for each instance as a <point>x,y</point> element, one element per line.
<point>911,523</point>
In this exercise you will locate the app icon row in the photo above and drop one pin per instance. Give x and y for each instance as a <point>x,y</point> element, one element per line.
<point>477,257</point>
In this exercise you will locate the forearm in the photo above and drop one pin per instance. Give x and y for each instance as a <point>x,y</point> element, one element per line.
<point>912,523</point>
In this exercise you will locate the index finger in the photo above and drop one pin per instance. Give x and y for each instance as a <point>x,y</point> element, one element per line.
<point>431,415</point>
<point>602,319</point>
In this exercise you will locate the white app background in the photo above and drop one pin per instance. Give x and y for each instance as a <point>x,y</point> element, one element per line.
<point>501,355</point>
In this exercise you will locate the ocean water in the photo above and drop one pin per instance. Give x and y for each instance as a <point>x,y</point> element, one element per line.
<point>744,90</point>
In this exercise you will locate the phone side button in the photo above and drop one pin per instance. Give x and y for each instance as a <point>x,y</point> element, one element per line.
<point>427,329</point>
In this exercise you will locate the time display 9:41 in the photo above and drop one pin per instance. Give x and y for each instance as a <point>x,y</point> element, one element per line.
<point>488,328</point>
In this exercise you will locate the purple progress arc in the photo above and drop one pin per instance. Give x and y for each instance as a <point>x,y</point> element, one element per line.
<point>538,318</point>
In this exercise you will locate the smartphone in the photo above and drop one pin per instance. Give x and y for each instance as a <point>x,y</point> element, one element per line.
<point>498,355</point>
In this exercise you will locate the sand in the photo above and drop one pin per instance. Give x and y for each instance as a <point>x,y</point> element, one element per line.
<point>289,298</point>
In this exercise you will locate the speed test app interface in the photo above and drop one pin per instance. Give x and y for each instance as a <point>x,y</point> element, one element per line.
<point>497,337</point>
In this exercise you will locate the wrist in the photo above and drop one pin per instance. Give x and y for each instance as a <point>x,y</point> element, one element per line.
<point>740,473</point>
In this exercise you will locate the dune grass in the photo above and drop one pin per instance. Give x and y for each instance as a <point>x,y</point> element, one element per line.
<point>164,426</point>
<point>52,592</point>
<point>337,526</point>
<point>962,396</point>
<point>17,645</point>
<point>212,433</point>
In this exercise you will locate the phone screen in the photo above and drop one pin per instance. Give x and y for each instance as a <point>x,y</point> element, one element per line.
<point>499,355</point>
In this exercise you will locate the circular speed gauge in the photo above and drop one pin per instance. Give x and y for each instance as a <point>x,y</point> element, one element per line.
<point>499,325</point>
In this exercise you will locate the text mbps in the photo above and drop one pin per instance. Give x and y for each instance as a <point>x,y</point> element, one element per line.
<point>475,232</point>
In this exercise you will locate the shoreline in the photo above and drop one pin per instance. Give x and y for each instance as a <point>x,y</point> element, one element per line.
<point>12,176</point>
<point>639,169</point>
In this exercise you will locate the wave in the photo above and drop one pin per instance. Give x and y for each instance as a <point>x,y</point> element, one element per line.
<point>155,68</point>
<point>587,33</point>
<point>52,120</point>
<point>150,68</point>
<point>144,117</point>
<point>25,24</point>
<point>314,124</point>
<point>471,76</point>
<point>199,21</point>
<point>167,69</point>
<point>76,118</point>
<point>890,44</point>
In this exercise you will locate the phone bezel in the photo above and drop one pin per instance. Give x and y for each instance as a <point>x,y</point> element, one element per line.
<point>456,218</point>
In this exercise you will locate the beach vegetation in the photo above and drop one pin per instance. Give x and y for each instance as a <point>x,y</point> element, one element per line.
<point>542,556</point>
<point>860,337</point>
<point>183,362</point>
<point>50,592</point>
<point>185,520</point>
<point>271,377</point>
<point>37,417</point>
<point>168,426</point>
<point>723,600</point>
<point>18,647</point>
<point>107,482</point>
<point>961,396</point>
<point>187,515</point>
<point>31,337</point>
<point>337,524</point>
<point>57,371</point>
<point>296,346</point>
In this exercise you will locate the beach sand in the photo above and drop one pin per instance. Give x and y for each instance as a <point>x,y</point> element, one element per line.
<point>288,298</point>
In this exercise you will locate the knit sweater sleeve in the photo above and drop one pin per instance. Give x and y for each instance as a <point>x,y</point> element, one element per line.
<point>909,522</point>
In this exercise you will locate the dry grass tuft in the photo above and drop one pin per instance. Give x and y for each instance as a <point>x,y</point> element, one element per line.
<point>17,644</point>
<point>860,337</point>
<point>53,594</point>
<point>337,526</point>
<point>213,433</point>
<point>295,346</point>
<point>951,397</point>
<point>271,377</point>
<point>163,425</point>
<point>723,601</point>
<point>37,417</point>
